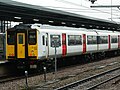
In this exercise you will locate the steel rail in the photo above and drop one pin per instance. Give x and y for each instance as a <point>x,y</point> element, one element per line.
<point>7,79</point>
<point>18,77</point>
<point>96,85</point>
<point>74,84</point>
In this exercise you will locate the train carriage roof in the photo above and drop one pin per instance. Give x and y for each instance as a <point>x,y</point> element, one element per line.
<point>62,29</point>
<point>21,12</point>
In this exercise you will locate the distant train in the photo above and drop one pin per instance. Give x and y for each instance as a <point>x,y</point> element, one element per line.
<point>2,46</point>
<point>33,43</point>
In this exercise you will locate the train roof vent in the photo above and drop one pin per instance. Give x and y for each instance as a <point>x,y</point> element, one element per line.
<point>22,26</point>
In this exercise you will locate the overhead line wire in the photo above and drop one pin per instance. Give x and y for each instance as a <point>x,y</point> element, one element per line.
<point>68,2</point>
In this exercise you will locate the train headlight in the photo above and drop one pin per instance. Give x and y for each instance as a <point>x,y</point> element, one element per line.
<point>30,54</point>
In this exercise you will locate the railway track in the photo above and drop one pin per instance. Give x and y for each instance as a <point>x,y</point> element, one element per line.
<point>92,67</point>
<point>7,78</point>
<point>50,85</point>
<point>92,82</point>
<point>11,78</point>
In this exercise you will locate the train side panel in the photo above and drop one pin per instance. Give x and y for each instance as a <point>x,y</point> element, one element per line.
<point>74,43</point>
<point>91,42</point>
<point>114,40</point>
<point>10,47</point>
<point>119,41</point>
<point>32,44</point>
<point>40,46</point>
<point>103,44</point>
<point>43,46</point>
<point>52,36</point>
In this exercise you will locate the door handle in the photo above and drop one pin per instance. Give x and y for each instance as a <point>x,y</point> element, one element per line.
<point>23,45</point>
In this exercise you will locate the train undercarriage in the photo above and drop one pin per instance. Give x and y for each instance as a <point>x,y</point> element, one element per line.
<point>28,64</point>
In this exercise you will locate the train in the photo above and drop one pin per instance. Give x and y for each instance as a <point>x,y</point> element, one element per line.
<point>2,46</point>
<point>35,43</point>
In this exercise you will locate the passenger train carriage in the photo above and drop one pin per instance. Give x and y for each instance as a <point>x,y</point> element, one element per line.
<point>34,43</point>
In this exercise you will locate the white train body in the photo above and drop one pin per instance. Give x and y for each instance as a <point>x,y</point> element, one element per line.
<point>69,41</point>
<point>71,50</point>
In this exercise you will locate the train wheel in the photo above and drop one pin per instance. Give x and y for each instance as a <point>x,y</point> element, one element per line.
<point>40,66</point>
<point>27,66</point>
<point>87,58</point>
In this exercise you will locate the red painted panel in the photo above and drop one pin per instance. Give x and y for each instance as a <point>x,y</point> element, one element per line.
<point>64,47</point>
<point>118,41</point>
<point>109,44</point>
<point>84,43</point>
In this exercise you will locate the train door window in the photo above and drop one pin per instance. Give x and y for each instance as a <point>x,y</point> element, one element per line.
<point>32,37</point>
<point>10,37</point>
<point>84,40</point>
<point>43,40</point>
<point>20,39</point>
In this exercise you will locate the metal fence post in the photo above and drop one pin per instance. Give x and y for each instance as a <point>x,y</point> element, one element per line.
<point>44,73</point>
<point>26,81</point>
<point>55,60</point>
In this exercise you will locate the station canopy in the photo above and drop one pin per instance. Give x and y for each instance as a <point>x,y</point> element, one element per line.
<point>21,12</point>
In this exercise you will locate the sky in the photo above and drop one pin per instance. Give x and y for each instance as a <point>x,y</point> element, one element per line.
<point>81,7</point>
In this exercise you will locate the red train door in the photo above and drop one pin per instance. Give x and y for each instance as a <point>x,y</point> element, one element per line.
<point>109,44</point>
<point>84,43</point>
<point>118,41</point>
<point>64,47</point>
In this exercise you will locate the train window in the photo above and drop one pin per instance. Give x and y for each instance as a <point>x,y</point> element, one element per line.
<point>57,39</point>
<point>10,37</point>
<point>71,40</point>
<point>32,37</point>
<point>20,39</point>
<point>91,39</point>
<point>63,39</point>
<point>43,39</point>
<point>103,39</point>
<point>78,40</point>
<point>1,42</point>
<point>74,40</point>
<point>114,39</point>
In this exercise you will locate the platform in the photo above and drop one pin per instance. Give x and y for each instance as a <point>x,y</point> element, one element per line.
<point>6,68</point>
<point>3,61</point>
